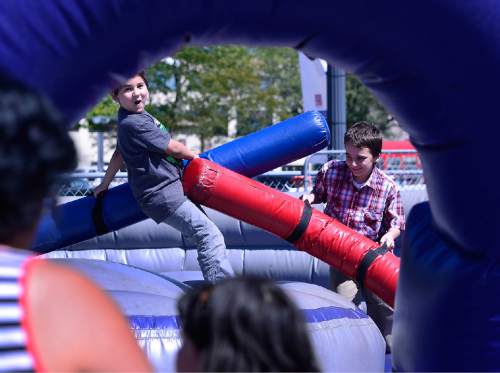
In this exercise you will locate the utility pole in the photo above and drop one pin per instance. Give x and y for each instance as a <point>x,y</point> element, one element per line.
<point>336,110</point>
<point>100,151</point>
<point>99,124</point>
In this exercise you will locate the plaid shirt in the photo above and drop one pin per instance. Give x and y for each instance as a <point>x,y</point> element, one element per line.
<point>370,210</point>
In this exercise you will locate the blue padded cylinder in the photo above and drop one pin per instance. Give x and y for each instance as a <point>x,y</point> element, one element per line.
<point>273,146</point>
<point>72,222</point>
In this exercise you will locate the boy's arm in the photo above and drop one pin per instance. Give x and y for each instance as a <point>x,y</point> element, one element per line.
<point>395,217</point>
<point>390,237</point>
<point>114,166</point>
<point>178,150</point>
<point>308,197</point>
<point>318,192</point>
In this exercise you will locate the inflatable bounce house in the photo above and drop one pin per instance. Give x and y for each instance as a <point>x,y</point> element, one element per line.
<point>432,64</point>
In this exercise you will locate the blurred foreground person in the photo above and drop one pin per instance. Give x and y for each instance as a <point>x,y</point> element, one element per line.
<point>243,325</point>
<point>51,317</point>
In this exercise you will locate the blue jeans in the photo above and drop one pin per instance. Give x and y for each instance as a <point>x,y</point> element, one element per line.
<point>199,229</point>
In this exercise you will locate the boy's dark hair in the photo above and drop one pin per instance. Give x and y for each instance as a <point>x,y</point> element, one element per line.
<point>35,149</point>
<point>246,324</point>
<point>119,85</point>
<point>364,134</point>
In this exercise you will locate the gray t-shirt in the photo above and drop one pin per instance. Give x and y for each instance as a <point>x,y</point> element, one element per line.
<point>155,181</point>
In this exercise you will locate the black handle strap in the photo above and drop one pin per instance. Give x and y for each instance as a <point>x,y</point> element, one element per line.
<point>303,223</point>
<point>98,215</point>
<point>367,261</point>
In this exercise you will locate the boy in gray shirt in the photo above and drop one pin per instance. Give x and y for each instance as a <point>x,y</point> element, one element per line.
<point>154,174</point>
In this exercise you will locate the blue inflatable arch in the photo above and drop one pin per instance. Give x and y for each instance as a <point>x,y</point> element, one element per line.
<point>434,65</point>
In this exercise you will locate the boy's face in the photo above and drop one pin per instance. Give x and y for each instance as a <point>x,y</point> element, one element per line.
<point>133,95</point>
<point>360,161</point>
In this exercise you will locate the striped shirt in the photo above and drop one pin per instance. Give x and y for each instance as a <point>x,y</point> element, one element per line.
<point>370,209</point>
<point>14,356</point>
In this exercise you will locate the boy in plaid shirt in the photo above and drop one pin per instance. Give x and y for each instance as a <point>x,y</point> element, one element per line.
<point>365,199</point>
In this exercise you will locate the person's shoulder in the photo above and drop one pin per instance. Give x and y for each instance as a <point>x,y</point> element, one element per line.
<point>133,119</point>
<point>334,163</point>
<point>59,304</point>
<point>386,181</point>
<point>56,291</point>
<point>339,163</point>
<point>335,166</point>
<point>59,279</point>
<point>134,124</point>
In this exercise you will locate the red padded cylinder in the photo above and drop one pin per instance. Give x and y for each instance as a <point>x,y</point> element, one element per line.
<point>325,238</point>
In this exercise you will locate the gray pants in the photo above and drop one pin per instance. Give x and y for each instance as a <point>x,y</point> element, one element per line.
<point>200,230</point>
<point>376,308</point>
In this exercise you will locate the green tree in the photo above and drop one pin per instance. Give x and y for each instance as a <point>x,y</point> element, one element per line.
<point>362,105</point>
<point>278,94</point>
<point>205,82</point>
<point>212,85</point>
<point>201,89</point>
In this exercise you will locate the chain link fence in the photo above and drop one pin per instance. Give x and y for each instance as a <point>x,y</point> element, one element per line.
<point>403,166</point>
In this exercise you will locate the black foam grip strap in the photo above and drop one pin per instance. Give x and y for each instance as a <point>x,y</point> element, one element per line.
<point>303,223</point>
<point>367,261</point>
<point>98,215</point>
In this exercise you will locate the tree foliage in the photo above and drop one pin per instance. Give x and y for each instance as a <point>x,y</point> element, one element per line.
<point>362,105</point>
<point>202,89</point>
<point>209,86</point>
